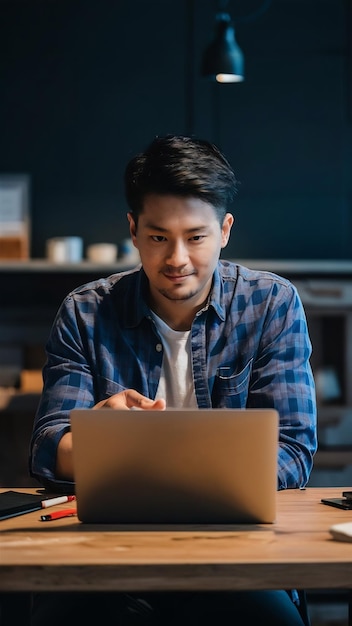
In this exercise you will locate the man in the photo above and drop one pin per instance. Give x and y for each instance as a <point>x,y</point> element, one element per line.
<point>184,330</point>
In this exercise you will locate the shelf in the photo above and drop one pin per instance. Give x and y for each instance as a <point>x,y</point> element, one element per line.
<point>294,267</point>
<point>43,266</point>
<point>332,415</point>
<point>335,458</point>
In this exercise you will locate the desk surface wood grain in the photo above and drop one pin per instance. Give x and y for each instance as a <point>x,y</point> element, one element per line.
<point>297,551</point>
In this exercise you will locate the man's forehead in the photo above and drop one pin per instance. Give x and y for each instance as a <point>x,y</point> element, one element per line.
<point>170,205</point>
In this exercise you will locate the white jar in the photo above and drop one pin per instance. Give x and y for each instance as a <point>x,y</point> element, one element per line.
<point>64,249</point>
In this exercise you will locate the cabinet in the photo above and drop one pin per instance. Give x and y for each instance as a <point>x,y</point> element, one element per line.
<point>32,291</point>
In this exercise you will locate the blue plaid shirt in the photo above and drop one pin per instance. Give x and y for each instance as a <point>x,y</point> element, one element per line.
<point>250,348</point>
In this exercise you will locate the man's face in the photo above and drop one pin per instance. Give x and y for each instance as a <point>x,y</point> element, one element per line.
<point>179,242</point>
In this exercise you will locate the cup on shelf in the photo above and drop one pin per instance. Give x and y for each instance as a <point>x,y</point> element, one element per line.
<point>102,252</point>
<point>64,249</point>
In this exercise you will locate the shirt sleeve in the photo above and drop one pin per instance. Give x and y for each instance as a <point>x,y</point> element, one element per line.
<point>282,378</point>
<point>68,384</point>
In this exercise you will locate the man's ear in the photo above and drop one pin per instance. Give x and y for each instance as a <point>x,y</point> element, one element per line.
<point>133,226</point>
<point>226,229</point>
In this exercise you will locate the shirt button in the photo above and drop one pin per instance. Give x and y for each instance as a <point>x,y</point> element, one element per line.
<point>158,347</point>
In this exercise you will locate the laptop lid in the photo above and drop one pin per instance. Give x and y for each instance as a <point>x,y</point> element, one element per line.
<point>180,466</point>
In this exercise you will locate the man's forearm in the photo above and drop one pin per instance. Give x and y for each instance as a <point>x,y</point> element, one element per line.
<point>64,461</point>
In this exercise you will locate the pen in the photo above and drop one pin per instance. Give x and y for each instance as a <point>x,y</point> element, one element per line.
<point>58,500</point>
<point>58,514</point>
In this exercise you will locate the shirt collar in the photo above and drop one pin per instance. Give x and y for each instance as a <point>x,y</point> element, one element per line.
<point>216,296</point>
<point>136,303</point>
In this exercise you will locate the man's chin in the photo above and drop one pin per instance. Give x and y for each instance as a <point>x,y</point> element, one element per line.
<point>175,296</point>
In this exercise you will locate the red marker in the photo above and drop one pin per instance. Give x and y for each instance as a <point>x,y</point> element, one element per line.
<point>58,500</point>
<point>58,514</point>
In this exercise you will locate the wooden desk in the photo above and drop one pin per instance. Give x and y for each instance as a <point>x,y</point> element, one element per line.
<point>295,552</point>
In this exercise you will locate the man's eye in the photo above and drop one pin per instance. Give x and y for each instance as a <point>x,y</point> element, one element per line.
<point>158,238</point>
<point>197,237</point>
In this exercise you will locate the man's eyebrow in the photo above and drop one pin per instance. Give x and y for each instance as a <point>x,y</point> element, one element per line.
<point>160,229</point>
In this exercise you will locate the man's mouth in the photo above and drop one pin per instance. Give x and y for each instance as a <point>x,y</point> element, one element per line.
<point>177,277</point>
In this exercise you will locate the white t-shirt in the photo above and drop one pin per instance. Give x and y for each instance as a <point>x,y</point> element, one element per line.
<point>176,379</point>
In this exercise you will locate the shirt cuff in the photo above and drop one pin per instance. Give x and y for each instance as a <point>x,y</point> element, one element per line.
<point>43,459</point>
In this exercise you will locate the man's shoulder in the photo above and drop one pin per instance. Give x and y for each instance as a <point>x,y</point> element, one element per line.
<point>118,281</point>
<point>230,270</point>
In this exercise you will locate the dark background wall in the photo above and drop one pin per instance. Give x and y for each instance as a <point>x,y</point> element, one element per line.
<point>84,84</point>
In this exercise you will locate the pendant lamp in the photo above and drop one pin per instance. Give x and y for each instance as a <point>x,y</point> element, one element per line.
<point>223,58</point>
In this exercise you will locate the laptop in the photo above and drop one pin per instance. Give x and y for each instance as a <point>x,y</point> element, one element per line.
<point>178,466</point>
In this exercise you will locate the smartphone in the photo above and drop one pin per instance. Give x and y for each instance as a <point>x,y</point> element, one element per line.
<point>340,503</point>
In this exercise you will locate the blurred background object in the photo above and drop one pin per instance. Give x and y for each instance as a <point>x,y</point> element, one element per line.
<point>102,252</point>
<point>64,249</point>
<point>14,216</point>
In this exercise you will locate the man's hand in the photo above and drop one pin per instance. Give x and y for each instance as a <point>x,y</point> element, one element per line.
<point>130,399</point>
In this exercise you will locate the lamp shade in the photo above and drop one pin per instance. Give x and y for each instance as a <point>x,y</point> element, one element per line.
<point>223,59</point>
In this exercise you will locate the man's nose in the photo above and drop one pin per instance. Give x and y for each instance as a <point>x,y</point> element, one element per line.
<point>177,253</point>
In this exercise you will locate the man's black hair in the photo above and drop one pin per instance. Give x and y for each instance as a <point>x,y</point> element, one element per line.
<point>183,166</point>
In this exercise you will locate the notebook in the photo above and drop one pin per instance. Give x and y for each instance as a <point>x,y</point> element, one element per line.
<point>178,466</point>
<point>13,503</point>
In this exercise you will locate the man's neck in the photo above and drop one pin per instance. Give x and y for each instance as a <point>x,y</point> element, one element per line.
<point>176,313</point>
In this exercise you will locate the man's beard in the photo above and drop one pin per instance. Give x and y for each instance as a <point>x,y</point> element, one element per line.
<point>172,295</point>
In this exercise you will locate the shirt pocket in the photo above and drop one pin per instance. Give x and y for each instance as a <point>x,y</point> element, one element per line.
<point>231,388</point>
